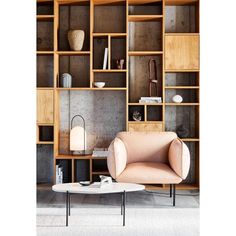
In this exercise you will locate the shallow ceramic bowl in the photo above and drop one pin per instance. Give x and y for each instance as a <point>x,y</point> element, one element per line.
<point>99,84</point>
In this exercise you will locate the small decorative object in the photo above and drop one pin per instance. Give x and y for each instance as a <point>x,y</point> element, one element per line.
<point>177,99</point>
<point>152,77</point>
<point>105,59</point>
<point>66,80</point>
<point>182,132</point>
<point>99,84</point>
<point>105,181</point>
<point>76,39</point>
<point>120,64</point>
<point>137,116</point>
<point>150,100</point>
<point>85,183</point>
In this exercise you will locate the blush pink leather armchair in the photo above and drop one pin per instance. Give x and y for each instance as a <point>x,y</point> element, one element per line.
<point>149,158</point>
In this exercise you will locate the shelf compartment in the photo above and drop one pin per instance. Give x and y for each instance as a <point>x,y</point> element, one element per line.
<point>76,18</point>
<point>45,163</point>
<point>182,79</point>
<point>145,126</point>
<point>99,45</point>
<point>144,53</point>
<point>45,8</point>
<point>110,18</point>
<point>139,79</point>
<point>138,108</point>
<point>154,113</point>
<point>118,51</point>
<point>45,35</point>
<point>67,169</point>
<point>151,31</point>
<point>78,67</point>
<point>112,80</point>
<point>99,165</point>
<point>181,18</point>
<point>145,8</point>
<point>45,71</point>
<point>103,111</point>
<point>188,95</point>
<point>183,120</point>
<point>81,170</point>
<point>45,134</point>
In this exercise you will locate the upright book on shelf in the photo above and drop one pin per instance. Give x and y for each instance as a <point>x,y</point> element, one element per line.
<point>105,59</point>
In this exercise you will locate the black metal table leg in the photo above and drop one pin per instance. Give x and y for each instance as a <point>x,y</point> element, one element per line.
<point>69,203</point>
<point>121,206</point>
<point>170,190</point>
<point>173,194</point>
<point>124,198</point>
<point>67,199</point>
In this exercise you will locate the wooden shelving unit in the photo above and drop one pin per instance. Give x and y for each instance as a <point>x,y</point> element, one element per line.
<point>121,26</point>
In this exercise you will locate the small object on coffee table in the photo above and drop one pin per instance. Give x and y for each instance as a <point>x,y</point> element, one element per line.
<point>85,183</point>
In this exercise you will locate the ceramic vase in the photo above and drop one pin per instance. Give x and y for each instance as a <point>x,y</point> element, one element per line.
<point>76,39</point>
<point>177,99</point>
<point>66,80</point>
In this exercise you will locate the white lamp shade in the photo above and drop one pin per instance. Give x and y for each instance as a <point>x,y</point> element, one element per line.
<point>77,139</point>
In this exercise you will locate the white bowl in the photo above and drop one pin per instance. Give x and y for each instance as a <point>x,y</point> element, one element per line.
<point>99,84</point>
<point>177,99</point>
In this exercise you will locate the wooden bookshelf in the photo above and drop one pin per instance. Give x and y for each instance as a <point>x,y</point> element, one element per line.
<point>121,26</point>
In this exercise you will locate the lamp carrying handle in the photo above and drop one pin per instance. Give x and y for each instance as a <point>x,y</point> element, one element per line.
<point>71,124</point>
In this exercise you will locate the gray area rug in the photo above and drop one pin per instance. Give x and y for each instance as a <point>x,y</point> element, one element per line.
<point>108,221</point>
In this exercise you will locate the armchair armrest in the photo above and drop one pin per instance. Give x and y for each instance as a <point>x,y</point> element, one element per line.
<point>117,158</point>
<point>179,158</point>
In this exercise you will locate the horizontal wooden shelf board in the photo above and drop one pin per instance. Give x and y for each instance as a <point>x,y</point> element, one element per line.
<point>180,2</point>
<point>45,88</point>
<point>182,87</point>
<point>109,71</point>
<point>109,2</point>
<point>79,157</point>
<point>182,34</point>
<point>166,187</point>
<point>145,104</point>
<point>45,124</point>
<point>73,52</point>
<point>142,18</point>
<point>45,142</point>
<point>181,104</point>
<point>74,2</point>
<point>144,53</point>
<point>109,34</point>
<point>45,52</point>
<point>90,89</point>
<point>45,17</point>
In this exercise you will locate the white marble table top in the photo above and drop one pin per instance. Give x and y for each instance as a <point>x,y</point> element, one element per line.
<point>95,188</point>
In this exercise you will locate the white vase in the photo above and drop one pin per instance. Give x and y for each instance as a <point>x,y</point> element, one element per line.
<point>76,39</point>
<point>177,99</point>
<point>66,80</point>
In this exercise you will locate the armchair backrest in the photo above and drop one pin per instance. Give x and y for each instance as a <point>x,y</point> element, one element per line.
<point>147,146</point>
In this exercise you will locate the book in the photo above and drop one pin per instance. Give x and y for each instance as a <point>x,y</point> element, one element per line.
<point>100,152</point>
<point>105,59</point>
<point>150,99</point>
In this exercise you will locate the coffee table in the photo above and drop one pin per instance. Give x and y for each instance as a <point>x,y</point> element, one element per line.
<point>94,188</point>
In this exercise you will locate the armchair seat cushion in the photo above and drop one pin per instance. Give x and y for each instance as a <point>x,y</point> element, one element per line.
<point>148,173</point>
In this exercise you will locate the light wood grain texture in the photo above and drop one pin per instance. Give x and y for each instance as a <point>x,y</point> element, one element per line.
<point>108,2</point>
<point>144,126</point>
<point>144,53</point>
<point>44,52</point>
<point>73,53</point>
<point>142,18</point>
<point>45,17</point>
<point>181,52</point>
<point>92,89</point>
<point>45,106</point>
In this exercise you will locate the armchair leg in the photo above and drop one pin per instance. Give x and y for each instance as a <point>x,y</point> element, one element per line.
<point>170,190</point>
<point>174,194</point>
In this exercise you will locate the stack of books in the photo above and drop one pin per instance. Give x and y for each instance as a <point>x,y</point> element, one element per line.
<point>59,174</point>
<point>100,152</point>
<point>150,100</point>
